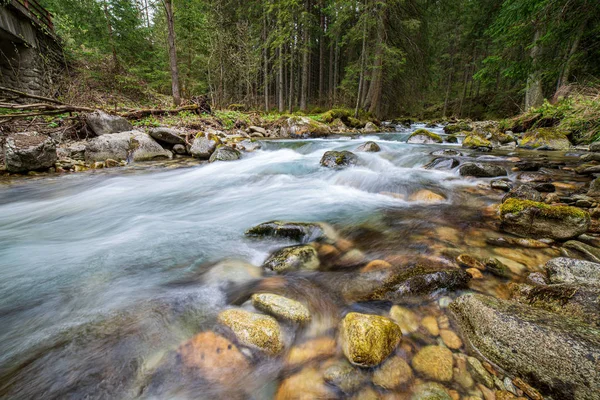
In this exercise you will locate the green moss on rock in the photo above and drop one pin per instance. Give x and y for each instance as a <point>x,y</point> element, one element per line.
<point>475,140</point>
<point>424,136</point>
<point>548,138</point>
<point>512,206</point>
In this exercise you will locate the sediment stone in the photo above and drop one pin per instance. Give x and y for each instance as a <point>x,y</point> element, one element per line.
<point>254,330</point>
<point>29,152</point>
<point>555,354</point>
<point>281,307</point>
<point>426,196</point>
<point>293,258</point>
<point>369,147</point>
<point>315,349</point>
<point>482,170</point>
<point>430,391</point>
<point>367,340</point>
<point>306,384</point>
<point>345,376</point>
<point>167,135</point>
<point>423,136</point>
<point>302,231</point>
<point>102,123</point>
<point>434,362</point>
<point>224,153</point>
<point>538,220</point>
<point>393,373</point>
<point>337,159</point>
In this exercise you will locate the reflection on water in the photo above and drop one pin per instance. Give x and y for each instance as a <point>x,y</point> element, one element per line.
<point>104,274</point>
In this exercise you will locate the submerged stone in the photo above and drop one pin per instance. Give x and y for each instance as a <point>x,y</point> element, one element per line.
<point>345,376</point>
<point>482,170</point>
<point>302,231</point>
<point>442,163</point>
<point>293,258</point>
<point>281,307</point>
<point>393,373</point>
<point>254,330</point>
<point>430,391</point>
<point>523,192</point>
<point>434,362</point>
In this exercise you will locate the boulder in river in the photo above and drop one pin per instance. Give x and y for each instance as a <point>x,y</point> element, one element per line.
<point>224,153</point>
<point>538,220</point>
<point>337,159</point>
<point>293,258</point>
<point>203,146</point>
<point>303,127</point>
<point>557,355</point>
<point>115,147</point>
<point>442,163</point>
<point>254,330</point>
<point>144,148</point>
<point>367,340</point>
<point>369,147</point>
<point>482,170</point>
<point>458,127</point>
<point>281,307</point>
<point>302,231</point>
<point>167,135</point>
<point>570,270</point>
<point>476,141</point>
<point>423,136</point>
<point>546,139</point>
<point>28,151</point>
<point>370,127</point>
<point>102,123</point>
<point>523,192</point>
<point>501,184</point>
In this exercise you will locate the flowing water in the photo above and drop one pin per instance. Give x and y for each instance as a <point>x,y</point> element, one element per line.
<point>105,273</point>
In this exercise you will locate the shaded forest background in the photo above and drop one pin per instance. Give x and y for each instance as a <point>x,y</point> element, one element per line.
<point>426,58</point>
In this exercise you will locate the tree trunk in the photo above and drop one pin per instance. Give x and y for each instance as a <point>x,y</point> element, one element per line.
<point>534,95</point>
<point>566,72</point>
<point>291,89</point>
<point>281,100</point>
<point>450,76</point>
<point>266,62</point>
<point>111,38</point>
<point>362,66</point>
<point>305,49</point>
<point>172,51</point>
<point>321,54</point>
<point>331,58</point>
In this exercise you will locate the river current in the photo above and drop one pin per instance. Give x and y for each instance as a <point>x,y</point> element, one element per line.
<point>103,272</point>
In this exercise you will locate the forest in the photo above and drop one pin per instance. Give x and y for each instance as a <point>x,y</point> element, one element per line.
<point>426,58</point>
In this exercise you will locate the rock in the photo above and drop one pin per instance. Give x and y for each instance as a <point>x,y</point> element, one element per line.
<point>231,271</point>
<point>110,163</point>
<point>144,148</point>
<point>546,138</point>
<point>306,384</point>
<point>595,146</point>
<point>204,147</point>
<point>76,151</point>
<point>345,377</point>
<point>224,153</point>
<point>528,166</point>
<point>115,146</point>
<point>421,280</point>
<point>281,307</point>
<point>426,196</point>
<point>367,393</point>
<point>393,373</point>
<point>519,242</point>
<point>335,159</point>
<point>501,184</point>
<point>29,152</point>
<point>102,123</point>
<point>442,163</point>
<point>370,128</point>
<point>249,145</point>
<point>376,265</point>
<point>369,147</point>
<point>479,373</point>
<point>557,354</point>
<point>496,267</point>
<point>523,192</point>
<point>254,330</point>
<point>179,149</point>
<point>434,362</point>
<point>405,318</point>
<point>545,187</point>
<point>367,340</point>
<point>315,349</point>
<point>451,139</point>
<point>430,324</point>
<point>215,358</point>
<point>458,127</point>
<point>538,220</point>
<point>476,141</point>
<point>461,375</point>
<point>167,135</point>
<point>447,153</point>
<point>293,258</point>
<point>468,261</point>
<point>304,232</point>
<point>590,253</point>
<point>303,127</point>
<point>352,258</point>
<point>569,270</point>
<point>430,391</point>
<point>534,177</point>
<point>482,170</point>
<point>423,136</point>
<point>258,129</point>
<point>450,339</point>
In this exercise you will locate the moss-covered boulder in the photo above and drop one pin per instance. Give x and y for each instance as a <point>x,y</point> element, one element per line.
<point>224,153</point>
<point>338,159</point>
<point>554,353</point>
<point>482,170</point>
<point>475,141</point>
<point>458,127</point>
<point>302,231</point>
<point>367,340</point>
<point>303,127</point>
<point>281,307</point>
<point>254,330</point>
<point>423,136</point>
<point>369,147</point>
<point>545,139</point>
<point>538,220</point>
<point>293,258</point>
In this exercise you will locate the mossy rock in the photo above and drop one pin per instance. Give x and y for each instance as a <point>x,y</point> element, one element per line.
<point>423,136</point>
<point>545,139</point>
<point>338,159</point>
<point>367,340</point>
<point>281,307</point>
<point>303,127</point>
<point>354,123</point>
<point>435,362</point>
<point>458,127</point>
<point>302,231</point>
<point>224,153</point>
<point>539,220</point>
<point>336,113</point>
<point>254,330</point>
<point>476,140</point>
<point>293,258</point>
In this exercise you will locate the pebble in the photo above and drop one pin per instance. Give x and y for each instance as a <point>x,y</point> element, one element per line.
<point>430,391</point>
<point>461,374</point>
<point>487,393</point>
<point>319,348</point>
<point>478,372</point>
<point>376,265</point>
<point>444,302</point>
<point>450,339</point>
<point>254,330</point>
<point>430,324</point>
<point>528,390</point>
<point>475,273</point>
<point>393,373</point>
<point>306,384</point>
<point>443,322</point>
<point>468,261</point>
<point>405,318</point>
<point>345,377</point>
<point>434,362</point>
<point>281,307</point>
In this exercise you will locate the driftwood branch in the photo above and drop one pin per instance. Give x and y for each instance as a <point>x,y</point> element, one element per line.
<point>31,96</point>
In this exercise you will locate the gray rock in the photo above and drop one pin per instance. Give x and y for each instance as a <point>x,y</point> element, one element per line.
<point>545,187</point>
<point>482,170</point>
<point>336,159</point>
<point>76,151</point>
<point>589,252</point>
<point>249,145</point>
<point>370,128</point>
<point>501,184</point>
<point>523,192</point>
<point>28,152</point>
<point>594,190</point>
<point>258,129</point>
<point>570,270</point>
<point>102,123</point>
<point>595,146</point>
<point>447,153</point>
<point>302,231</point>
<point>442,163</point>
<point>536,177</point>
<point>423,136</point>
<point>430,391</point>
<point>167,135</point>
<point>496,267</point>
<point>369,147</point>
<point>144,148</point>
<point>555,354</point>
<point>203,147</point>
<point>224,153</point>
<point>293,258</point>
<point>179,149</point>
<point>115,146</point>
